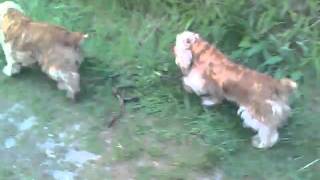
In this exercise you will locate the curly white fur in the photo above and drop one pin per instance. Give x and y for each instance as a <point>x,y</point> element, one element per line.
<point>182,48</point>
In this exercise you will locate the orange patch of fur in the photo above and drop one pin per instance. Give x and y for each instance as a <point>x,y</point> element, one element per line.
<point>238,83</point>
<point>263,100</point>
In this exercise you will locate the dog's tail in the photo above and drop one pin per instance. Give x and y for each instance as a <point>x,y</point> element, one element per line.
<point>288,86</point>
<point>74,38</point>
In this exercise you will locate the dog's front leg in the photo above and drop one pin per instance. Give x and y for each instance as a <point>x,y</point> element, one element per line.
<point>265,138</point>
<point>12,66</point>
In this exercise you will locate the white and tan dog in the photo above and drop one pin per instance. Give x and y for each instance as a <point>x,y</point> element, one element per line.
<point>54,48</point>
<point>263,101</point>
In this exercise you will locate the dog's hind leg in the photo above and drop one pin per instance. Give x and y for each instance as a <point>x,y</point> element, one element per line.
<point>267,134</point>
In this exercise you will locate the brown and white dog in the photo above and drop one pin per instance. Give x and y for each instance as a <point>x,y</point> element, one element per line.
<point>262,100</point>
<point>54,48</point>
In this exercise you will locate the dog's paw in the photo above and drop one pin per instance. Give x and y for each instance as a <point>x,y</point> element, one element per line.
<point>257,143</point>
<point>7,71</point>
<point>208,103</point>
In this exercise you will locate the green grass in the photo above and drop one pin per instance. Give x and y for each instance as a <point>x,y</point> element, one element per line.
<point>133,38</point>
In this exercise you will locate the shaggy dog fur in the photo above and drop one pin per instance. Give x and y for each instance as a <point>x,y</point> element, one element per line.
<point>262,100</point>
<point>54,48</point>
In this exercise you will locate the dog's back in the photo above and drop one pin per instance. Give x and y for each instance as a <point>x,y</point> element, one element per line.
<point>27,34</point>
